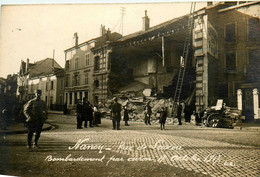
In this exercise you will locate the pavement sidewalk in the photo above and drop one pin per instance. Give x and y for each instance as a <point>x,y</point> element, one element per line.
<point>248,127</point>
<point>19,128</point>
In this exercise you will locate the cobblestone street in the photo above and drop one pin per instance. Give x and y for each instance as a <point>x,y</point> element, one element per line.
<point>139,144</point>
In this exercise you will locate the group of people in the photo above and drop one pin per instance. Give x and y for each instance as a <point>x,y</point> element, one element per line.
<point>163,112</point>
<point>87,113</point>
<point>35,112</point>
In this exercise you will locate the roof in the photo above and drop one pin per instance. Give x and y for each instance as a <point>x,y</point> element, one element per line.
<point>238,6</point>
<point>43,67</point>
<point>102,39</point>
<point>178,22</point>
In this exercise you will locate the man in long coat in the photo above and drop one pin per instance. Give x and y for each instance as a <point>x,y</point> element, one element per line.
<point>87,113</point>
<point>35,112</point>
<point>116,114</point>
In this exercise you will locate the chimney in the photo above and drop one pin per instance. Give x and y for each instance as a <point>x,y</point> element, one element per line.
<point>102,30</point>
<point>76,39</point>
<point>146,22</point>
<point>27,65</point>
<point>209,3</point>
<point>108,34</point>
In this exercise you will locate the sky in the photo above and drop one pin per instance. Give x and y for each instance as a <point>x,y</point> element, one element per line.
<point>42,31</point>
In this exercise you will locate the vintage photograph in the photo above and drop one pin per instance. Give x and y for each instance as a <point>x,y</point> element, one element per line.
<point>144,89</point>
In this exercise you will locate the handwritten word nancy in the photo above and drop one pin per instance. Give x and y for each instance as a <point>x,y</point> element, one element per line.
<point>82,145</point>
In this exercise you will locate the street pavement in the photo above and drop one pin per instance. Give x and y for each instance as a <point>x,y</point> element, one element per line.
<point>135,150</point>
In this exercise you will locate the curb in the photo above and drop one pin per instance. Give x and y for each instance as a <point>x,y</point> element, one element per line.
<point>48,127</point>
<point>247,128</point>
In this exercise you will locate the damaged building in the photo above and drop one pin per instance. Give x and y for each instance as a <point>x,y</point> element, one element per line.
<point>222,62</point>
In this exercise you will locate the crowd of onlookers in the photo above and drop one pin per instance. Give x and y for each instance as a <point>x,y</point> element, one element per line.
<point>90,115</point>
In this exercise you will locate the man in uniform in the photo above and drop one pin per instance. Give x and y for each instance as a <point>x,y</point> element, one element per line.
<point>116,114</point>
<point>35,112</point>
<point>87,113</point>
<point>148,112</point>
<point>179,111</point>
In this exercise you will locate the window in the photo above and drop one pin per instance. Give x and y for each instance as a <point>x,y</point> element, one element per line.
<point>86,95</point>
<point>230,61</point>
<point>87,59</point>
<point>230,33</point>
<point>70,95</point>
<point>67,66</point>
<point>76,63</point>
<point>253,29</point>
<point>96,83</point>
<point>75,97</point>
<point>97,63</point>
<point>76,80</point>
<point>46,86</point>
<point>66,81</point>
<point>103,61</point>
<point>86,78</point>
<point>52,85</point>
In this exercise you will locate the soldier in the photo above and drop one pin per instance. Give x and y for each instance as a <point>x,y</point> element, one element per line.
<point>179,111</point>
<point>116,114</point>
<point>147,112</point>
<point>87,113</point>
<point>35,112</point>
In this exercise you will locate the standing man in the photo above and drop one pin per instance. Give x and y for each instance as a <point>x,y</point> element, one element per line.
<point>35,112</point>
<point>87,113</point>
<point>179,111</point>
<point>147,112</point>
<point>79,110</point>
<point>126,116</point>
<point>116,114</point>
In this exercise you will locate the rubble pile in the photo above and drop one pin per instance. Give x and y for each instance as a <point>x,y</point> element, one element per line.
<point>136,105</point>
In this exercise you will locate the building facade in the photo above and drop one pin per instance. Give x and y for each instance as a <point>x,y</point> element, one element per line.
<point>227,50</point>
<point>46,75</point>
<point>86,68</point>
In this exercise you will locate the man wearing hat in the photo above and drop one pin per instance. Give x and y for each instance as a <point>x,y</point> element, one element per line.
<point>36,113</point>
<point>116,114</point>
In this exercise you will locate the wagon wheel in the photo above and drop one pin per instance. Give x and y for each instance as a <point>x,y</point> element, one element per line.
<point>212,118</point>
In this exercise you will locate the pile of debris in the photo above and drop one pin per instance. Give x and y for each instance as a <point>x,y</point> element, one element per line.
<point>136,105</point>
